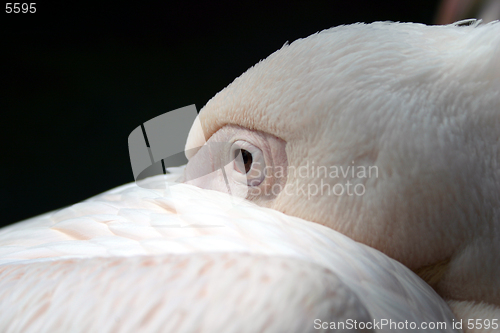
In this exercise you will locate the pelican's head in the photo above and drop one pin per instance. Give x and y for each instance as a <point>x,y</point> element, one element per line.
<point>386,132</point>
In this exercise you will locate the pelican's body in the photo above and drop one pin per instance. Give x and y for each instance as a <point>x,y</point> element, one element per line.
<point>421,104</point>
<point>124,260</point>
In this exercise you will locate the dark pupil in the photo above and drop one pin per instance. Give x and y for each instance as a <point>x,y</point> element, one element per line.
<point>247,159</point>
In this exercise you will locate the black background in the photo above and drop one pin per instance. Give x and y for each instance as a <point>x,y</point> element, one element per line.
<point>76,80</point>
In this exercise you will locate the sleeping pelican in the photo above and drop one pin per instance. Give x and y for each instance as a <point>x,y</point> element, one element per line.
<point>417,105</point>
<point>410,108</point>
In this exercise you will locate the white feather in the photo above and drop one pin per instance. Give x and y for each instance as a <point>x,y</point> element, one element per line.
<point>186,260</point>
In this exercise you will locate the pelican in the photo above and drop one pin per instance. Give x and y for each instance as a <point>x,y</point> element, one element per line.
<point>417,105</point>
<point>402,115</point>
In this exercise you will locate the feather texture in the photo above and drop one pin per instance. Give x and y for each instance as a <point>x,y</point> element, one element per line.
<point>188,260</point>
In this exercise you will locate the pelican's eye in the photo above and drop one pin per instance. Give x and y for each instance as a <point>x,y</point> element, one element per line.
<point>249,163</point>
<point>247,160</point>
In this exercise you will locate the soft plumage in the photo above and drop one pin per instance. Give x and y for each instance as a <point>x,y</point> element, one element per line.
<point>134,259</point>
<point>420,103</point>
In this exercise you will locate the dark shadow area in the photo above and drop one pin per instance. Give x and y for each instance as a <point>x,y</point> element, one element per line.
<point>77,79</point>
